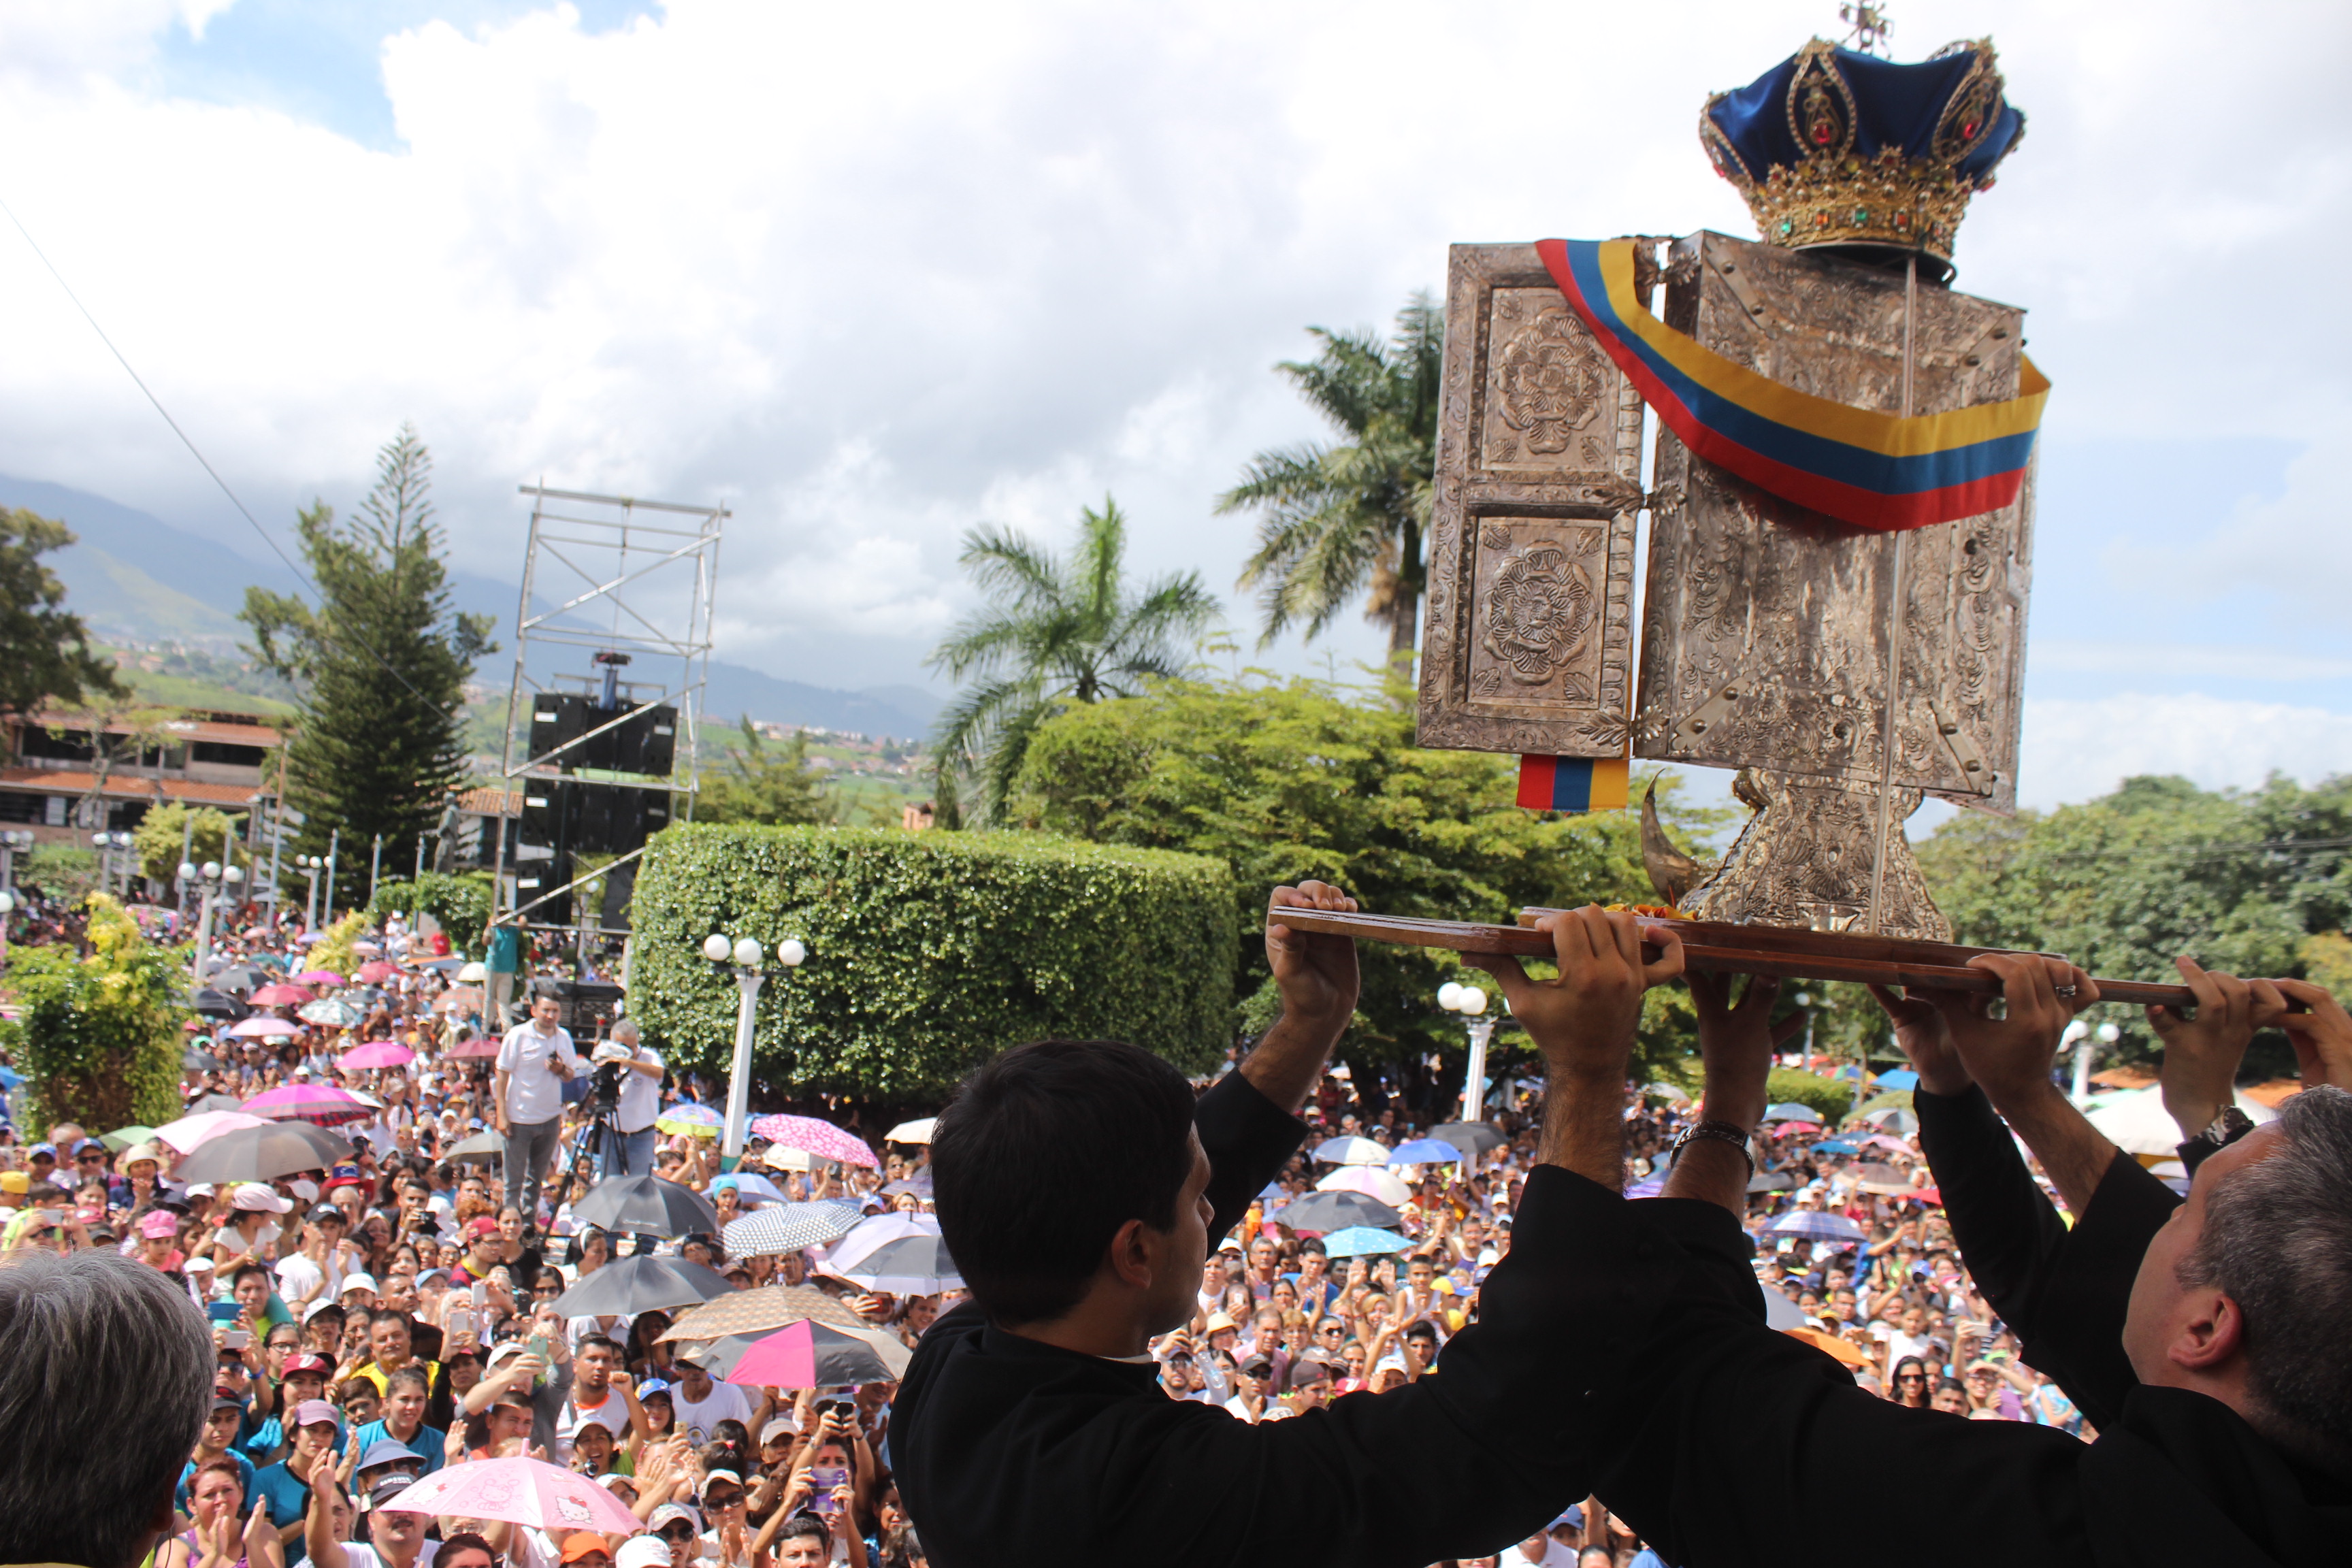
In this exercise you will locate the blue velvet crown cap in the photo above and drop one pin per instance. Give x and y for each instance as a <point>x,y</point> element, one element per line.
<point>1834,147</point>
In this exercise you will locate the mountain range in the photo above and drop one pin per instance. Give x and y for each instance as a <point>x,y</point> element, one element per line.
<point>134,577</point>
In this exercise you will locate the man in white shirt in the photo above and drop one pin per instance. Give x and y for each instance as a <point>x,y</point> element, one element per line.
<point>701,1403</point>
<point>640,1103</point>
<point>527,1096</point>
<point>317,1272</point>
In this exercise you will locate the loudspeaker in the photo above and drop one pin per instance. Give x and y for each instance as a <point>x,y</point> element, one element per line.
<point>645,743</point>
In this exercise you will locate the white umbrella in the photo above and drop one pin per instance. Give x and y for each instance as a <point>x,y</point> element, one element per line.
<point>869,1235</point>
<point>911,1131</point>
<point>1351,1152</point>
<point>1372,1180</point>
<point>2136,1121</point>
<point>190,1132</point>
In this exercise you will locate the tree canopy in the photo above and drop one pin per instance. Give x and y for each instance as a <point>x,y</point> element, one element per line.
<point>1339,519</point>
<point>381,663</point>
<point>756,785</point>
<point>46,659</point>
<point>1056,630</point>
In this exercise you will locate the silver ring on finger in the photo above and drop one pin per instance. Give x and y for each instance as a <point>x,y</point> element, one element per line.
<point>2065,991</point>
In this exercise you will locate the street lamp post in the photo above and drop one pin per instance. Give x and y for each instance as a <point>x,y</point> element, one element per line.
<point>1805,999</point>
<point>112,854</point>
<point>13,841</point>
<point>2079,1038</point>
<point>746,955</point>
<point>8,907</point>
<point>213,879</point>
<point>309,865</point>
<point>1470,1001</point>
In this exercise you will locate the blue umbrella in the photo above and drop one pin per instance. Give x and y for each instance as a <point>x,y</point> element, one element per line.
<point>1363,1241</point>
<point>1836,1146</point>
<point>1820,1226</point>
<point>1901,1078</point>
<point>1425,1151</point>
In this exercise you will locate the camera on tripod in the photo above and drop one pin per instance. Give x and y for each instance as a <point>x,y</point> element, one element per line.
<point>605,1083</point>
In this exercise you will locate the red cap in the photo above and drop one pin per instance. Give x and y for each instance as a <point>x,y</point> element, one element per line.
<point>484,1225</point>
<point>309,1363</point>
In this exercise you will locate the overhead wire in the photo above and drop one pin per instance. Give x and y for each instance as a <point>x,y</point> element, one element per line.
<point>319,623</point>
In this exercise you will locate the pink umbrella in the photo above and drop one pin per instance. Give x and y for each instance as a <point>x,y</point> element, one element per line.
<point>281,995</point>
<point>817,1355</point>
<point>377,972</point>
<point>320,1104</point>
<point>480,1046</point>
<point>257,1026</point>
<point>821,1139</point>
<point>521,1492</point>
<point>1372,1180</point>
<point>319,977</point>
<point>189,1131</point>
<point>377,1054</point>
<point>1884,1141</point>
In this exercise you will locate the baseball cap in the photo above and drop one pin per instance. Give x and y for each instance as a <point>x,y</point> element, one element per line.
<point>357,1282</point>
<point>304,1361</point>
<point>16,1182</point>
<point>1257,1365</point>
<point>255,1198</point>
<point>89,1146</point>
<point>386,1492</point>
<point>310,1411</point>
<point>651,1386</point>
<point>222,1401</point>
<point>321,1213</point>
<point>598,1421</point>
<point>201,1190</point>
<point>643,1551</point>
<point>669,1513</point>
<point>582,1544</point>
<point>345,1176</point>
<point>1309,1369</point>
<point>322,1305</point>
<point>718,1475</point>
<point>782,1426</point>
<point>159,1225</point>
<point>39,1150</point>
<point>482,1225</point>
<point>386,1451</point>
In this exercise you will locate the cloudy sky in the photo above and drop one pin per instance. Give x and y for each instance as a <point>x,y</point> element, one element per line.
<point>872,274</point>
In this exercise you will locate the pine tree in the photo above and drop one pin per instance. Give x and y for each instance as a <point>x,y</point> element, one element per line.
<point>381,664</point>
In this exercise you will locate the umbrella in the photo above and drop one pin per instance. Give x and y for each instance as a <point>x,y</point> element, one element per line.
<point>195,1060</point>
<point>473,974</point>
<point>1779,1312</point>
<point>258,1027</point>
<point>1901,1078</point>
<point>212,1103</point>
<point>1370,1180</point>
<point>2137,1122</point>
<point>332,1012</point>
<point>751,1191</point>
<point>1883,1179</point>
<point>1820,1226</point>
<point>264,1153</point>
<point>1894,1119</point>
<point>376,1054</point>
<point>318,977</point>
<point>480,1150</point>
<point>1851,1354</point>
<point>910,1266</point>
<point>444,966</point>
<point>1881,1140</point>
<point>688,1117</point>
<point>920,1184</point>
<point>912,1131</point>
<point>1648,1187</point>
<point>122,1137</point>
<point>522,1492</point>
<point>320,1104</point>
<point>863,1239</point>
<point>1790,1111</point>
<point>242,978</point>
<point>459,999</point>
<point>1362,1240</point>
<point>810,1355</point>
<point>281,995</point>
<point>761,1311</point>
<point>1836,1146</point>
<point>189,1132</point>
<point>1771,1182</point>
<point>822,1139</point>
<point>1426,1152</point>
<point>646,1205</point>
<point>1930,1196</point>
<point>1327,1211</point>
<point>1351,1152</point>
<point>1473,1138</point>
<point>219,1004</point>
<point>789,1227</point>
<point>377,972</point>
<point>644,1283</point>
<point>481,1045</point>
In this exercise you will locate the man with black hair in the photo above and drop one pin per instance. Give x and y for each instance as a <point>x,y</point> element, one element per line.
<point>1079,1189</point>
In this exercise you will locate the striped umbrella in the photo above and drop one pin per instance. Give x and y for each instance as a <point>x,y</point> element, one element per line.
<point>1818,1226</point>
<point>700,1120</point>
<point>320,1104</point>
<point>821,1139</point>
<point>806,1355</point>
<point>789,1227</point>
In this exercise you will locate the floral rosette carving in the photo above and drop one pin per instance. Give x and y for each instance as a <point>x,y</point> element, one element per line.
<point>1552,377</point>
<point>1538,611</point>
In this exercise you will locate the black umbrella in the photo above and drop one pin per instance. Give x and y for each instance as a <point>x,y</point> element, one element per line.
<point>242,978</point>
<point>646,1205</point>
<point>264,1153</point>
<point>197,1061</point>
<point>1327,1211</point>
<point>636,1285</point>
<point>219,1004</point>
<point>1771,1182</point>
<point>1473,1138</point>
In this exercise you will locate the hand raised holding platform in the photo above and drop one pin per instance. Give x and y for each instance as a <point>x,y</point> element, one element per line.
<point>2322,1037</point>
<point>1926,1043</point>
<point>2202,1054</point>
<point>2011,1056</point>
<point>1315,972</point>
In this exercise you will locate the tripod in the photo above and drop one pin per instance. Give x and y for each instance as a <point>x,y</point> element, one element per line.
<point>602,1130</point>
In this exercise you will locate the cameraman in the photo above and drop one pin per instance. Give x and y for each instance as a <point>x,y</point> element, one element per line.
<point>639,1102</point>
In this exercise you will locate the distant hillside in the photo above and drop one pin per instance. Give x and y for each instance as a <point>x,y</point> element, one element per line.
<point>136,578</point>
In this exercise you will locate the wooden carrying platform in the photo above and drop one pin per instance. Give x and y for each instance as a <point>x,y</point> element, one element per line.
<point>1714,948</point>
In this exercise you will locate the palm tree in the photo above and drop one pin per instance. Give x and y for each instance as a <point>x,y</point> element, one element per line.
<point>1055,631</point>
<point>1337,520</point>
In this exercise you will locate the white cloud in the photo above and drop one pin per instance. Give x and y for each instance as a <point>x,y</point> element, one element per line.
<point>2296,545</point>
<point>2193,660</point>
<point>2073,749</point>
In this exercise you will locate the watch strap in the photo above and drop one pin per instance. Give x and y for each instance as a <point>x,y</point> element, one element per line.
<point>1738,1136</point>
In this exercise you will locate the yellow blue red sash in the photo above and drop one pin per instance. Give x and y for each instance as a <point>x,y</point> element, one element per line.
<point>1874,471</point>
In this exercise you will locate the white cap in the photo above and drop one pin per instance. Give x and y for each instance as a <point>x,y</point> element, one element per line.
<point>305,1189</point>
<point>254,1199</point>
<point>642,1552</point>
<point>201,1190</point>
<point>357,1282</point>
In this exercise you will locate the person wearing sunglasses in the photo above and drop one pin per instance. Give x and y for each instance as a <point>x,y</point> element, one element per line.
<point>674,1526</point>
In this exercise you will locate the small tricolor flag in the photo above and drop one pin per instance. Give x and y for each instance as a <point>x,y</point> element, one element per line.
<point>1574,783</point>
<point>1873,470</point>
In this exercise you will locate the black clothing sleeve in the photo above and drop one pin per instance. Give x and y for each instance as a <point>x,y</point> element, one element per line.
<point>1011,1450</point>
<point>2064,1291</point>
<point>1248,1140</point>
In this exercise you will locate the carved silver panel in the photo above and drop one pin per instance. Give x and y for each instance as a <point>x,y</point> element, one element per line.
<point>1528,636</point>
<point>1768,629</point>
<point>1804,859</point>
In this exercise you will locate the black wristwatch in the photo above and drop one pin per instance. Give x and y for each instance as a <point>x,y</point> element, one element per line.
<point>1728,1132</point>
<point>2220,1133</point>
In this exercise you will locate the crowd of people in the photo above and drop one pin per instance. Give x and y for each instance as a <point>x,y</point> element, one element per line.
<point>373,1321</point>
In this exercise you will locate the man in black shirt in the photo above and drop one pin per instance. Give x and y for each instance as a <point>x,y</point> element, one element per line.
<point>1081,1188</point>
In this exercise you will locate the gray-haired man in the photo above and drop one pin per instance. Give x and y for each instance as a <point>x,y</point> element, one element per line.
<point>640,1102</point>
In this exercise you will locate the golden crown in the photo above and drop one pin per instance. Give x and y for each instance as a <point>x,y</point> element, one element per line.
<point>1835,147</point>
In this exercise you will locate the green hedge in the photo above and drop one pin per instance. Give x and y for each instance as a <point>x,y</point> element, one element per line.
<point>927,952</point>
<point>1831,1098</point>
